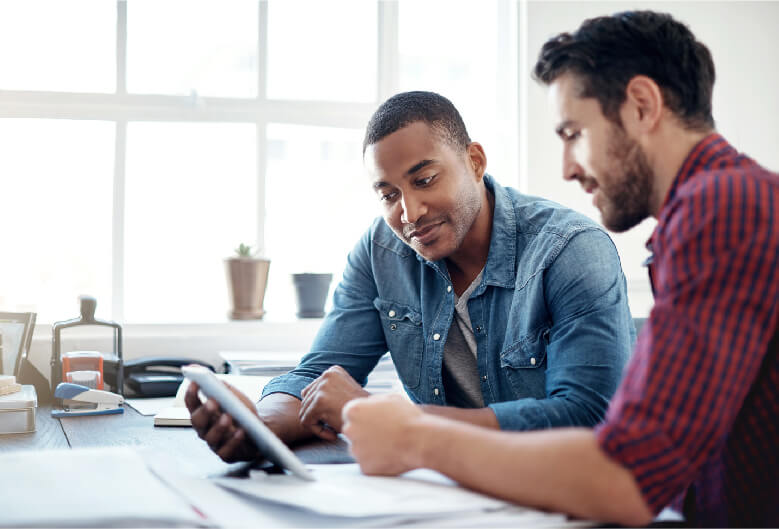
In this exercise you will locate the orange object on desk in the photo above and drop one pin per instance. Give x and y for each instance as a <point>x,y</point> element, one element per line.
<point>83,361</point>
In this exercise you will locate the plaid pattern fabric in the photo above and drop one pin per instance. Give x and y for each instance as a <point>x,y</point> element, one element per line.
<point>698,408</point>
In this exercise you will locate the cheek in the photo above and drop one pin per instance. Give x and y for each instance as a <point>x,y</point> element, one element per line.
<point>391,216</point>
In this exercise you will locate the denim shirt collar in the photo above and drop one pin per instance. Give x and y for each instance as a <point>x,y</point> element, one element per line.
<point>500,269</point>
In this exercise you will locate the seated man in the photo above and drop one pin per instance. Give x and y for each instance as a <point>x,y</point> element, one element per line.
<point>498,309</point>
<point>695,418</point>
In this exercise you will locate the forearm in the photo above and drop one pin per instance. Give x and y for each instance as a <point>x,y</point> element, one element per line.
<point>477,416</point>
<point>561,470</point>
<point>280,412</point>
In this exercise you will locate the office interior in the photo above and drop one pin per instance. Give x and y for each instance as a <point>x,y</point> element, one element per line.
<point>144,141</point>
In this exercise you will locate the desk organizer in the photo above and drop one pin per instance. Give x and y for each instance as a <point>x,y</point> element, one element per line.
<point>17,411</point>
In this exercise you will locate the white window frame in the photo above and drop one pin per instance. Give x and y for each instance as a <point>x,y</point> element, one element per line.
<point>121,108</point>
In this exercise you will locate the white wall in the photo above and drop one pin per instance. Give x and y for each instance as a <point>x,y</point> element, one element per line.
<point>744,43</point>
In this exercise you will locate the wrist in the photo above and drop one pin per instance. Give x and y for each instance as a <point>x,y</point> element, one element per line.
<point>424,440</point>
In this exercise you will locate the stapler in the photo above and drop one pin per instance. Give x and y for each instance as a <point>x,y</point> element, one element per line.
<point>81,400</point>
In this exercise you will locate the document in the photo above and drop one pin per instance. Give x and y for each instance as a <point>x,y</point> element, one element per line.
<point>344,491</point>
<point>95,487</point>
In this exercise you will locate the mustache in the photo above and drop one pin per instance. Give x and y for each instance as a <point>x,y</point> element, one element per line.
<point>408,229</point>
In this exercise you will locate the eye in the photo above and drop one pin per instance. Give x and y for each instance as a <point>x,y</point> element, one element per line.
<point>570,135</point>
<point>386,197</point>
<point>422,182</point>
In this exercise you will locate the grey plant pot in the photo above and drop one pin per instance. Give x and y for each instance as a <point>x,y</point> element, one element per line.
<point>246,280</point>
<point>311,291</point>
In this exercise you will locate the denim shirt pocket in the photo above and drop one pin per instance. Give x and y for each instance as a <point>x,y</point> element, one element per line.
<point>402,326</point>
<point>524,364</point>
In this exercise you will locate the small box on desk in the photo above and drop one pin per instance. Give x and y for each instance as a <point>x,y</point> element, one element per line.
<point>17,411</point>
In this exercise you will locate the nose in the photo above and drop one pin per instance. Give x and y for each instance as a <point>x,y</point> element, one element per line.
<point>571,168</point>
<point>414,208</point>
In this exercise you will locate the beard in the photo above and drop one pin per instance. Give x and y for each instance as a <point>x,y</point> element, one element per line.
<point>626,188</point>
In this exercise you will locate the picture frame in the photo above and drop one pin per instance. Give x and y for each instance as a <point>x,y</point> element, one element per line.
<point>16,329</point>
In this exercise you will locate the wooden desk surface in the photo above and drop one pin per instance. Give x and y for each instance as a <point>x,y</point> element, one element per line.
<point>179,444</point>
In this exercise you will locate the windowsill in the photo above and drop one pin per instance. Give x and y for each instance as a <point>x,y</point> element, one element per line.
<point>199,341</point>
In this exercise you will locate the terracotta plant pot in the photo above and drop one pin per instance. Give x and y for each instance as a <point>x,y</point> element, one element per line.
<point>246,280</point>
<point>311,290</point>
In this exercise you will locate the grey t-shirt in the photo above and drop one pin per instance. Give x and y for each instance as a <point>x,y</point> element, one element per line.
<point>460,371</point>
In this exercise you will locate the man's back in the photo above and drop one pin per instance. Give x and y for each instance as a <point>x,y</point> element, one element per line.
<point>703,377</point>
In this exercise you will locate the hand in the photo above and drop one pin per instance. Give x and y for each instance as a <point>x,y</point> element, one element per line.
<point>324,399</point>
<point>382,430</point>
<point>217,428</point>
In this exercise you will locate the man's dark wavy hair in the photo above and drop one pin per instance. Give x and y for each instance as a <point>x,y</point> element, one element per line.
<point>606,52</point>
<point>406,108</point>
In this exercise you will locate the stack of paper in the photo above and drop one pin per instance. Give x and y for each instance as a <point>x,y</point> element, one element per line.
<point>88,488</point>
<point>8,385</point>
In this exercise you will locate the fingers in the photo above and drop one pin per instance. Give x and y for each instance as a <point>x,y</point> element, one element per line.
<point>234,448</point>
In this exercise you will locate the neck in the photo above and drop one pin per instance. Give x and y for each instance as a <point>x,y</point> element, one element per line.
<point>667,152</point>
<point>466,263</point>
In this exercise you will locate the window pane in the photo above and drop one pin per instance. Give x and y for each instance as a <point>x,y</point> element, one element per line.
<point>319,203</point>
<point>322,51</point>
<point>458,58</point>
<point>183,46</point>
<point>55,209</point>
<point>191,198</point>
<point>58,46</point>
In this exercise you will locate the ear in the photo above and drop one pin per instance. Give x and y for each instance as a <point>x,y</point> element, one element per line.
<point>643,107</point>
<point>477,158</point>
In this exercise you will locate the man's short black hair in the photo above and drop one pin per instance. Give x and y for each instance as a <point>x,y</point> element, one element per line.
<point>406,108</point>
<point>605,53</point>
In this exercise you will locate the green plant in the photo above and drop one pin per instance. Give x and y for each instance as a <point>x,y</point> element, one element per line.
<point>244,251</point>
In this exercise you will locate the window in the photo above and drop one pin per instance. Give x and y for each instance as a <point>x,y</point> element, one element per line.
<point>143,141</point>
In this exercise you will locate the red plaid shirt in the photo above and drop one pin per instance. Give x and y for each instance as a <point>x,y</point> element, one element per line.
<point>698,409</point>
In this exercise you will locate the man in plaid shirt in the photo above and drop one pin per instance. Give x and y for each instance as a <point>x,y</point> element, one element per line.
<point>695,422</point>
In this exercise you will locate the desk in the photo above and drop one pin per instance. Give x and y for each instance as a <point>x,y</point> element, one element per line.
<point>180,445</point>
<point>191,458</point>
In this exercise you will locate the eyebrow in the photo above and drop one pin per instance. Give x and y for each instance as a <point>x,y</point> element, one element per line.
<point>414,169</point>
<point>564,125</point>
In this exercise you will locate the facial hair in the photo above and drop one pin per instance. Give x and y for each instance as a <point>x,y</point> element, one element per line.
<point>626,188</point>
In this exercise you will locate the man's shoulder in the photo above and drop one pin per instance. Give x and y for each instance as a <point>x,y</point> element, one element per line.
<point>738,186</point>
<point>540,217</point>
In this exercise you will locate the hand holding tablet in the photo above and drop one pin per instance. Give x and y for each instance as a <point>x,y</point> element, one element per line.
<point>269,445</point>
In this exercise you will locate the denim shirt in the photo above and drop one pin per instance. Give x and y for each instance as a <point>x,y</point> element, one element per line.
<point>551,318</point>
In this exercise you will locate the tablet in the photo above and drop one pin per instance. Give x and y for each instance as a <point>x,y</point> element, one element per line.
<point>269,445</point>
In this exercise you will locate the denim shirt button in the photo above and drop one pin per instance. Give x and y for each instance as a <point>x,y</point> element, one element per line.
<point>436,337</point>
<point>532,361</point>
<point>478,328</point>
<point>435,391</point>
<point>391,314</point>
<point>449,288</point>
<point>484,378</point>
<point>393,327</point>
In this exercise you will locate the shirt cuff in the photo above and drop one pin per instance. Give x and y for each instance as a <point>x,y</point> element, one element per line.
<point>288,383</point>
<point>520,415</point>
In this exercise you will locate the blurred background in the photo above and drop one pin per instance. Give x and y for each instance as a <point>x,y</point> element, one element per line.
<point>141,141</point>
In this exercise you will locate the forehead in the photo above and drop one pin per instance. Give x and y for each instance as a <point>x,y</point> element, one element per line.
<point>399,151</point>
<point>567,103</point>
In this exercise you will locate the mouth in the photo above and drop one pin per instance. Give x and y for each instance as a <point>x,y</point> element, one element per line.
<point>427,234</point>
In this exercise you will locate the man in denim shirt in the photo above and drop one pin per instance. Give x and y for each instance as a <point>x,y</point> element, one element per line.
<point>498,309</point>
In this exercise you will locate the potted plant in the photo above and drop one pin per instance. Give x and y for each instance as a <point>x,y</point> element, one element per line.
<point>311,292</point>
<point>247,277</point>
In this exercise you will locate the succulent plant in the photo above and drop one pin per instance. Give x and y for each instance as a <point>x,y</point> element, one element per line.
<point>244,251</point>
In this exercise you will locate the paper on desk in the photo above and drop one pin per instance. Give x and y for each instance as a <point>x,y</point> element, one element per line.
<point>151,406</point>
<point>93,487</point>
<point>342,490</point>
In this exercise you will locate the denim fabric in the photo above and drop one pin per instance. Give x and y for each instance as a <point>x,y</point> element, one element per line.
<point>551,317</point>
